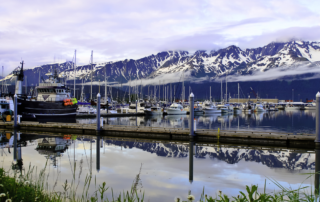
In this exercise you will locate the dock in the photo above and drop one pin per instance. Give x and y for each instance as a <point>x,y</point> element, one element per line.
<point>262,138</point>
<point>109,115</point>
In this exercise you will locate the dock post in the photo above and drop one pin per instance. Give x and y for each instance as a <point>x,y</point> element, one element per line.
<point>136,106</point>
<point>15,111</point>
<point>191,117</point>
<point>317,141</point>
<point>98,112</point>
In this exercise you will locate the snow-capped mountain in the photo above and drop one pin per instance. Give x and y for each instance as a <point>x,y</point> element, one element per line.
<point>270,158</point>
<point>231,60</point>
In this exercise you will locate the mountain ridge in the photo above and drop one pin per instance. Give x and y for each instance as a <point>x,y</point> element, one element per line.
<point>231,60</point>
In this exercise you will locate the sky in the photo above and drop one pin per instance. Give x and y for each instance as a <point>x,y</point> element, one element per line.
<point>42,32</point>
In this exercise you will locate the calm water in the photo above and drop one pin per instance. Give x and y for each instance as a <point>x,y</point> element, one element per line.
<point>164,166</point>
<point>282,121</point>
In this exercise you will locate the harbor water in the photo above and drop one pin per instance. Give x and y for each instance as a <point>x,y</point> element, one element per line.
<point>296,122</point>
<point>164,166</point>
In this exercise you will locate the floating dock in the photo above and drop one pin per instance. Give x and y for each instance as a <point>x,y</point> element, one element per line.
<point>263,138</point>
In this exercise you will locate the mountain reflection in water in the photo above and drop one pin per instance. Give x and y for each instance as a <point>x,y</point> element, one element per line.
<point>168,168</point>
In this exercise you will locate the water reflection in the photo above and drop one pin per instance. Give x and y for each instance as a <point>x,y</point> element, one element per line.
<point>53,147</point>
<point>166,170</point>
<point>282,121</point>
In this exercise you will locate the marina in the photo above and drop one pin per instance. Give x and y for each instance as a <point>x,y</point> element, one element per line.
<point>156,101</point>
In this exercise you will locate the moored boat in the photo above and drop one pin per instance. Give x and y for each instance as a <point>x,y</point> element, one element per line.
<point>154,111</point>
<point>175,109</point>
<point>53,103</point>
<point>210,108</point>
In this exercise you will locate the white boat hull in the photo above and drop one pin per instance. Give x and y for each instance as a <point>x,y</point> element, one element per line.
<point>310,108</point>
<point>292,108</point>
<point>211,111</point>
<point>176,112</point>
<point>259,110</point>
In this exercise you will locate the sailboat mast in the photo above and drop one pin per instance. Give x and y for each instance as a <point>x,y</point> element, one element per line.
<point>221,91</point>
<point>141,91</point>
<point>174,94</point>
<point>183,87</point>
<point>105,85</point>
<point>91,74</point>
<point>159,90</point>
<point>226,89</point>
<point>238,93</point>
<point>82,91</point>
<point>26,86</point>
<point>74,69</point>
<point>210,93</point>
<point>129,90</point>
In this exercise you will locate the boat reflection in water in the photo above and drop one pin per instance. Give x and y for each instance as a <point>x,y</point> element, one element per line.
<point>53,147</point>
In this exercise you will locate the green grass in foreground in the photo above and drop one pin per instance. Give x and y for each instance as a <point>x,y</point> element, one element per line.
<point>15,187</point>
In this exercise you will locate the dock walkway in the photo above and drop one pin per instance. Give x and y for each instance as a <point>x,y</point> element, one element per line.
<point>226,136</point>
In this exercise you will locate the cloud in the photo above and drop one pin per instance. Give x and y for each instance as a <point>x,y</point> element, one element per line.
<point>309,71</point>
<point>42,31</point>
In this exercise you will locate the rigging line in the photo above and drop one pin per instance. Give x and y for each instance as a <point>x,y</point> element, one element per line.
<point>242,92</point>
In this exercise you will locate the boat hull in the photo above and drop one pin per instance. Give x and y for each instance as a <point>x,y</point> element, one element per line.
<point>153,113</point>
<point>211,111</point>
<point>176,112</point>
<point>310,108</point>
<point>46,111</point>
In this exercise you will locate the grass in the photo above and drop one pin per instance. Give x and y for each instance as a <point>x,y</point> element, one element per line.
<point>33,186</point>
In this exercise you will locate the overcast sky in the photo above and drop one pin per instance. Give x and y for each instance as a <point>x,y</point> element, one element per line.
<point>40,31</point>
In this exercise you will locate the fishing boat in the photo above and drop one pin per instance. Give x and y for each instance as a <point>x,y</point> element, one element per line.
<point>247,108</point>
<point>310,106</point>
<point>153,111</point>
<point>197,109</point>
<point>53,103</point>
<point>290,107</point>
<point>227,108</point>
<point>210,108</point>
<point>176,109</point>
<point>259,108</point>
<point>86,109</point>
<point>271,107</point>
<point>281,106</point>
<point>139,109</point>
